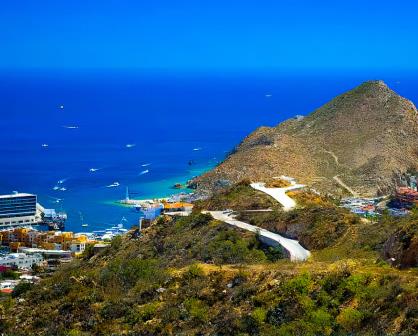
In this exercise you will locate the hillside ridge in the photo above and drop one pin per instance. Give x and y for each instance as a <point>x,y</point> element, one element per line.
<point>366,138</point>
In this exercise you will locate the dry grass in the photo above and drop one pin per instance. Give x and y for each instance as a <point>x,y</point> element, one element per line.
<point>277,183</point>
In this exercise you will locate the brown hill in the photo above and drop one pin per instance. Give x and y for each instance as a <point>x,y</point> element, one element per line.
<point>360,142</point>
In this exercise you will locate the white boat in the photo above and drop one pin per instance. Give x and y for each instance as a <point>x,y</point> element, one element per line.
<point>70,127</point>
<point>61,107</point>
<point>56,188</point>
<point>118,228</point>
<point>107,236</point>
<point>145,164</point>
<point>82,220</point>
<point>113,185</point>
<point>56,200</point>
<point>197,149</point>
<point>63,189</point>
<point>146,171</point>
<point>92,170</point>
<point>130,145</point>
<point>44,145</point>
<point>61,181</point>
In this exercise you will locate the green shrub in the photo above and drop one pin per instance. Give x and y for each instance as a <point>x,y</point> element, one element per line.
<point>88,252</point>
<point>196,309</point>
<point>229,248</point>
<point>238,197</point>
<point>350,319</point>
<point>298,327</point>
<point>194,271</point>
<point>113,310</point>
<point>300,284</point>
<point>147,312</point>
<point>116,242</point>
<point>141,313</point>
<point>9,274</point>
<point>333,280</point>
<point>75,332</point>
<point>201,219</point>
<point>259,315</point>
<point>322,321</point>
<point>275,253</point>
<point>129,272</point>
<point>21,288</point>
<point>170,313</point>
<point>356,284</point>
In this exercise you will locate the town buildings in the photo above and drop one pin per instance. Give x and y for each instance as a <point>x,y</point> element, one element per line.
<point>49,240</point>
<point>406,197</point>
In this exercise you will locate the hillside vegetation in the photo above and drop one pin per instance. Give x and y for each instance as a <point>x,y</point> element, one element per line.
<point>316,222</point>
<point>197,276</point>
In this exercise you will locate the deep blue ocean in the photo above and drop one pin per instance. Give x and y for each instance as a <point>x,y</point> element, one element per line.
<point>88,118</point>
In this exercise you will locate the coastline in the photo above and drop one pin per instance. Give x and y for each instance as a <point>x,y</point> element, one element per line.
<point>163,188</point>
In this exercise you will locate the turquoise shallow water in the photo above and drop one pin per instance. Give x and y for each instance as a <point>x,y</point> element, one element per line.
<point>164,187</point>
<point>111,211</point>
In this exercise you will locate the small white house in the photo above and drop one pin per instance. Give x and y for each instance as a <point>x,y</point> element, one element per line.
<point>77,247</point>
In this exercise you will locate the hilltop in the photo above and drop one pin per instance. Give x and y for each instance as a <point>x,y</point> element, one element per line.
<point>361,142</point>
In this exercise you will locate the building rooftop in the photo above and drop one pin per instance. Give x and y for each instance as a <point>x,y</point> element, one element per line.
<point>17,195</point>
<point>177,205</point>
<point>14,256</point>
<point>38,250</point>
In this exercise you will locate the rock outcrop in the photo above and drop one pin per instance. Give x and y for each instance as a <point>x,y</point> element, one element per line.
<point>401,249</point>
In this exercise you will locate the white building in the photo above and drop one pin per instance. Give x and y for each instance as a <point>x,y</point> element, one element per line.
<point>77,247</point>
<point>21,260</point>
<point>18,210</point>
<point>46,254</point>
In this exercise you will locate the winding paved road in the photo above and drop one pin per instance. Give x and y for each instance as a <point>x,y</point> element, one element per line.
<point>295,250</point>
<point>279,194</point>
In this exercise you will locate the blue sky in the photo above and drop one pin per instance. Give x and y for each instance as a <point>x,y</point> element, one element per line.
<point>209,35</point>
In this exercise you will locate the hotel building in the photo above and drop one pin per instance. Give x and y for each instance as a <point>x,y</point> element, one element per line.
<point>18,209</point>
